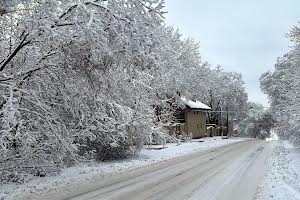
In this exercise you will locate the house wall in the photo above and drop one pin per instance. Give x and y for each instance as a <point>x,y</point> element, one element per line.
<point>196,123</point>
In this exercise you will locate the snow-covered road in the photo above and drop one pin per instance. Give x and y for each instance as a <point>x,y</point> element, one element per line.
<point>229,172</point>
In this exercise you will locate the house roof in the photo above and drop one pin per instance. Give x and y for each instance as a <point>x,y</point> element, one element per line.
<point>195,104</point>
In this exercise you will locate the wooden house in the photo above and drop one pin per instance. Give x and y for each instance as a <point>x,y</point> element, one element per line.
<point>191,119</point>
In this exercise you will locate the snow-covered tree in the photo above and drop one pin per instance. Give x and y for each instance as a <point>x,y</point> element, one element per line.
<point>225,91</point>
<point>282,87</point>
<point>75,79</point>
<point>258,122</point>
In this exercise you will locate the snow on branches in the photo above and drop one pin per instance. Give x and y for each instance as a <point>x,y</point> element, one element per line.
<point>92,79</point>
<point>282,87</point>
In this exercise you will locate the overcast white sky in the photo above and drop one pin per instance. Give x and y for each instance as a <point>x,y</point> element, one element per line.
<point>241,35</point>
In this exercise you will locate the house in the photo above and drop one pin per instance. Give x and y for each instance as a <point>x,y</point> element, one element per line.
<point>191,119</point>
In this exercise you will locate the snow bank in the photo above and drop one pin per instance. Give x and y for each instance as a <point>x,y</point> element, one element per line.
<point>84,173</point>
<point>281,181</point>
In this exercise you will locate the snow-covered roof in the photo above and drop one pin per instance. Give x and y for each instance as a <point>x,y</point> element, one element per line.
<point>195,104</point>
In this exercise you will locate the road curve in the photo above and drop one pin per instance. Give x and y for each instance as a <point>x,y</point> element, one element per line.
<point>230,172</point>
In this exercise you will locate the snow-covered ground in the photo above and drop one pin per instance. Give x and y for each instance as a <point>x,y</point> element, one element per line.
<point>84,173</point>
<point>282,180</point>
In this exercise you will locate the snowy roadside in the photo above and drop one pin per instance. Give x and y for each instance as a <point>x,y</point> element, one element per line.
<point>84,173</point>
<point>281,181</point>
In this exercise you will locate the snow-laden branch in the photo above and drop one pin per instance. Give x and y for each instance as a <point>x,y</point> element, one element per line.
<point>22,44</point>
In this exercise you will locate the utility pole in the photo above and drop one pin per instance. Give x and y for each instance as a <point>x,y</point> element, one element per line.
<point>221,119</point>
<point>227,122</point>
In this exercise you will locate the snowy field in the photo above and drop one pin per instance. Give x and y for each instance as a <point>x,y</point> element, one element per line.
<point>282,180</point>
<point>93,172</point>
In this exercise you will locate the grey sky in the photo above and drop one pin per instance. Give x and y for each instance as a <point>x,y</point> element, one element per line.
<point>241,35</point>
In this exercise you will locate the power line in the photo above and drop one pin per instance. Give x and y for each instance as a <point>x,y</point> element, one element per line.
<point>224,111</point>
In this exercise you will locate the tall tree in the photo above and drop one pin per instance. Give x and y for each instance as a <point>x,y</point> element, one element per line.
<point>282,87</point>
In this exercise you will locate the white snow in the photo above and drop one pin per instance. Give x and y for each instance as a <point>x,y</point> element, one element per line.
<point>281,181</point>
<point>84,173</point>
<point>195,104</point>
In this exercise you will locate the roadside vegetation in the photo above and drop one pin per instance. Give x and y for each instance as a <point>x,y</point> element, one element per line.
<point>282,87</point>
<point>94,80</point>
